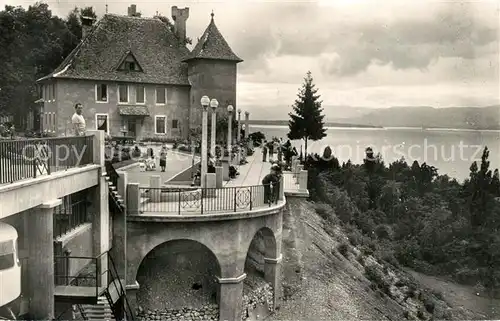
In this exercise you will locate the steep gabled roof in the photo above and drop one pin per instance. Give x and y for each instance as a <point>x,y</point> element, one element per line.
<point>153,44</point>
<point>212,45</point>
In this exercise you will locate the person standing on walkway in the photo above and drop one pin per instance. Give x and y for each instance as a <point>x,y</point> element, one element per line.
<point>78,121</point>
<point>264,152</point>
<point>267,181</point>
<point>163,158</point>
<point>271,150</point>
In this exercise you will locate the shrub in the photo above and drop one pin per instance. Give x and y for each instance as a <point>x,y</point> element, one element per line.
<point>384,231</point>
<point>343,249</point>
<point>429,305</point>
<point>355,237</point>
<point>421,315</point>
<point>324,210</point>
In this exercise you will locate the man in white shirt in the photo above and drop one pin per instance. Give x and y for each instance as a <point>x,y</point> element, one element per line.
<point>78,120</point>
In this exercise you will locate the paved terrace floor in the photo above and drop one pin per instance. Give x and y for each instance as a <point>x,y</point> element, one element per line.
<point>176,163</point>
<point>234,197</point>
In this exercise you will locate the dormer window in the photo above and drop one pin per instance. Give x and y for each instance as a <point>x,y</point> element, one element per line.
<point>129,63</point>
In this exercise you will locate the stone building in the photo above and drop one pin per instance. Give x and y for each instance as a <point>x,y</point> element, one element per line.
<point>136,78</point>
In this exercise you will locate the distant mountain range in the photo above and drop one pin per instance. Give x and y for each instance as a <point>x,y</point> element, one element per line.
<point>428,117</point>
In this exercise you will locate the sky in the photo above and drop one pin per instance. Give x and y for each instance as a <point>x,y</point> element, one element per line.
<point>362,53</point>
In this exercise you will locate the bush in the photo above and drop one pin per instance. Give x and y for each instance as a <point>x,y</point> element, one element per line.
<point>344,250</point>
<point>384,232</point>
<point>355,237</point>
<point>325,211</point>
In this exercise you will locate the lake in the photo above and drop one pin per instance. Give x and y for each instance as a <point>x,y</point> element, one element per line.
<point>452,151</point>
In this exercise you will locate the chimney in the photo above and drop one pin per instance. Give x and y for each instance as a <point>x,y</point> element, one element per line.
<point>180,16</point>
<point>132,10</point>
<point>87,23</point>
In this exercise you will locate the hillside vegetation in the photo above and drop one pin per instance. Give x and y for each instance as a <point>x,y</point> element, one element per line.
<point>410,216</point>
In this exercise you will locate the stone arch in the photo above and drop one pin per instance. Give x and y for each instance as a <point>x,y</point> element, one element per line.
<point>178,273</point>
<point>265,239</point>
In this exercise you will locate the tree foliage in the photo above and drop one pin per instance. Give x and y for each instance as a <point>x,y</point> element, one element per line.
<point>306,121</point>
<point>34,43</point>
<point>429,222</point>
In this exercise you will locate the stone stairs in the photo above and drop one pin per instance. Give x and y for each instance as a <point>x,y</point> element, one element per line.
<point>98,312</point>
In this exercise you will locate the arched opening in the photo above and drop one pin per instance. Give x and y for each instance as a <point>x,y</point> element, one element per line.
<point>178,277</point>
<point>257,288</point>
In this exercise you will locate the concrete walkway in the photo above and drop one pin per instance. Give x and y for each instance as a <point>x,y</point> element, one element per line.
<point>252,173</point>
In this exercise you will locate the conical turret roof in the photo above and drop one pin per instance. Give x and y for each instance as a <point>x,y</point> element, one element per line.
<point>212,45</point>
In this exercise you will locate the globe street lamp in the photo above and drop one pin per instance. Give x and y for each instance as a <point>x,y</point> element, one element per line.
<point>247,128</point>
<point>214,104</point>
<point>239,126</point>
<point>230,109</point>
<point>205,101</point>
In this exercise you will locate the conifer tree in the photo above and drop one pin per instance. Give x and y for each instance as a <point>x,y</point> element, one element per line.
<point>306,121</point>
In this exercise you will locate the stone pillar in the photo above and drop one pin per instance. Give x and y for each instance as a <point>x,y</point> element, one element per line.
<point>133,198</point>
<point>131,289</point>
<point>213,134</point>
<point>247,126</point>
<point>100,227</point>
<point>119,249</point>
<point>210,185</point>
<point>155,188</point>
<point>122,185</point>
<point>225,169</point>
<point>281,195</point>
<point>218,176</point>
<point>272,275</point>
<point>204,134</point>
<point>298,169</point>
<point>231,298</point>
<point>98,147</point>
<point>303,180</point>
<point>41,260</point>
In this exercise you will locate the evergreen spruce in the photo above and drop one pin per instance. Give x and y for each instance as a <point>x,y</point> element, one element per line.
<point>307,119</point>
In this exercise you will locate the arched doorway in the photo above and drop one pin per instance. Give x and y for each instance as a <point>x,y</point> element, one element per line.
<point>258,292</point>
<point>178,274</point>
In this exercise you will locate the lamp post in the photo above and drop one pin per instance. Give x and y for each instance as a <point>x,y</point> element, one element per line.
<point>230,109</point>
<point>205,101</point>
<point>239,126</point>
<point>247,116</point>
<point>214,104</point>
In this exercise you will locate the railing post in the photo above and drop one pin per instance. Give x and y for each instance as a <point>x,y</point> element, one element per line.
<point>235,195</point>
<point>133,198</point>
<point>251,197</point>
<point>67,265</point>
<point>179,201</point>
<point>201,199</point>
<point>98,146</point>
<point>281,194</point>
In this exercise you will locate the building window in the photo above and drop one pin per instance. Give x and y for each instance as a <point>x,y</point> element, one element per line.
<point>161,95</point>
<point>101,93</point>
<point>140,94</point>
<point>160,124</point>
<point>123,94</point>
<point>7,258</point>
<point>175,123</point>
<point>102,122</point>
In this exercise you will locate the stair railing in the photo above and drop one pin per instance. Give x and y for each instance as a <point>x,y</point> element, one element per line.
<point>123,294</point>
<point>82,312</point>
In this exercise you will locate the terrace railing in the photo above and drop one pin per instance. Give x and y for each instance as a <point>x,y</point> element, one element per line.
<point>206,200</point>
<point>30,158</point>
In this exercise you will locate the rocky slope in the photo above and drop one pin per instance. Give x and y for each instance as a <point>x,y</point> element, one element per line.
<point>320,283</point>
